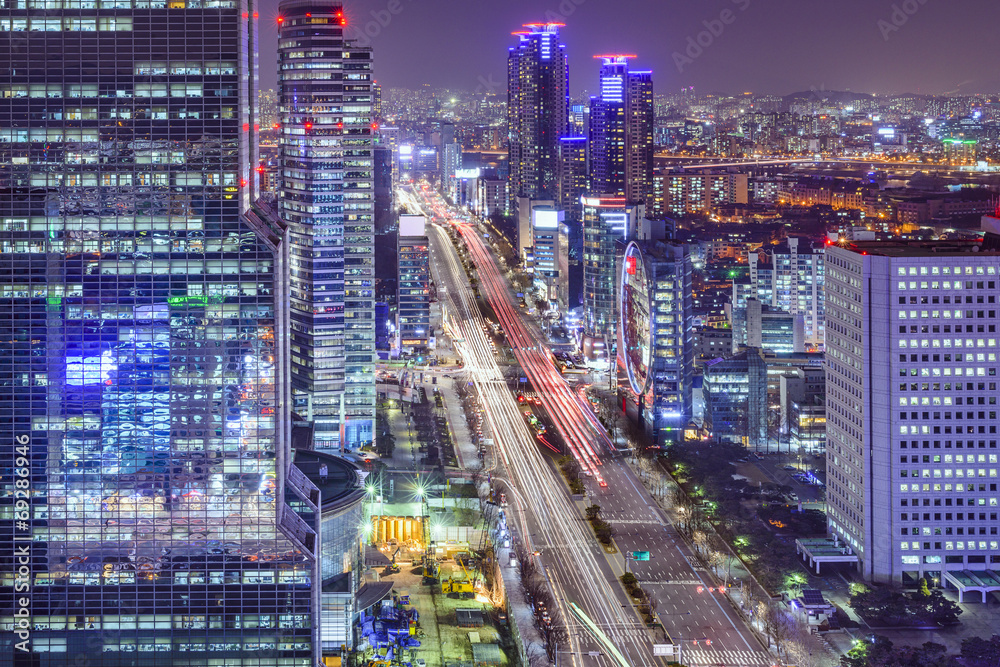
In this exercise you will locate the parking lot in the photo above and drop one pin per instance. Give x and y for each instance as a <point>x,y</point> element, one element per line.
<point>806,475</point>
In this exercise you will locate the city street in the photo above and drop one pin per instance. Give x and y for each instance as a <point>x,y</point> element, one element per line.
<point>544,517</point>
<point>670,576</point>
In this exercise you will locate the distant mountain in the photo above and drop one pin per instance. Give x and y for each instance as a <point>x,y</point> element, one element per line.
<point>835,96</point>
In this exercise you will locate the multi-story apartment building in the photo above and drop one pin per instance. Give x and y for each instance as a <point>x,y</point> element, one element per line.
<point>327,200</point>
<point>790,277</point>
<point>621,132</point>
<point>537,111</point>
<point>143,356</point>
<point>911,391</point>
<point>682,193</point>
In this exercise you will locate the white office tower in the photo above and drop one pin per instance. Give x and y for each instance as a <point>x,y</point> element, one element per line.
<point>911,391</point>
<point>327,199</point>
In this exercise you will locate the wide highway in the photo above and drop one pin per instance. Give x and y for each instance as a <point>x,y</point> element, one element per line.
<point>542,513</point>
<point>711,632</point>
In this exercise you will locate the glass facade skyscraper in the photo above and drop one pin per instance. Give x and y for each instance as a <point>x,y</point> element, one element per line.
<point>142,366</point>
<point>327,201</point>
<point>606,222</point>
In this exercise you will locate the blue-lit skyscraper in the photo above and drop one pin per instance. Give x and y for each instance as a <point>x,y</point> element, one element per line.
<point>143,368</point>
<point>537,110</point>
<point>327,200</point>
<point>621,132</point>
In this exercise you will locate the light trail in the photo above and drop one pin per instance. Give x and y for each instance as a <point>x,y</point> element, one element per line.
<point>573,565</point>
<point>572,562</point>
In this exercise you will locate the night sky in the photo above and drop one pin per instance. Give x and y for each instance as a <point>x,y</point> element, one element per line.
<point>764,46</point>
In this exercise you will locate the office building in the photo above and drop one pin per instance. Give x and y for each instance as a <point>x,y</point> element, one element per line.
<point>621,132</point>
<point>143,348</point>
<point>525,210</point>
<point>491,197</point>
<point>413,299</point>
<point>537,111</point>
<point>712,343</point>
<point>327,200</point>
<point>657,336</point>
<point>911,367</point>
<point>383,190</point>
<point>427,162</point>
<point>579,120</point>
<point>451,163</point>
<point>607,221</point>
<point>758,325</point>
<point>790,277</point>
<point>342,529</point>
<point>735,390</point>
<point>550,259</point>
<point>802,394</point>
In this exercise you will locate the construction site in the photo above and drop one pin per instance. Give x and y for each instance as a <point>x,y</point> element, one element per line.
<point>446,607</point>
<point>431,539</point>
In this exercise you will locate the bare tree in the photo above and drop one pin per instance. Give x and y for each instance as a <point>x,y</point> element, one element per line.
<point>537,656</point>
<point>766,619</point>
<point>700,539</point>
<point>783,628</point>
<point>801,649</point>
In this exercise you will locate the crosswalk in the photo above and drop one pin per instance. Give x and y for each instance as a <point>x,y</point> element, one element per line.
<point>726,658</point>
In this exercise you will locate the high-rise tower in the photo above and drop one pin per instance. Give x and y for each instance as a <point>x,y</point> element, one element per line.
<point>621,132</point>
<point>142,356</point>
<point>327,200</point>
<point>911,368</point>
<point>537,110</point>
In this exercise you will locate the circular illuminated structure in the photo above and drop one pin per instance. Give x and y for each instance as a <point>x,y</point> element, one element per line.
<point>635,307</point>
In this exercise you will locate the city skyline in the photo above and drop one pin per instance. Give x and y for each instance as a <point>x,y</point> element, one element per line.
<point>276,352</point>
<point>851,45</point>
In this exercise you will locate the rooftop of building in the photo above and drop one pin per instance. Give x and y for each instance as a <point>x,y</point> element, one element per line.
<point>341,485</point>
<point>948,248</point>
